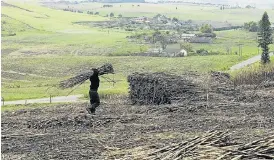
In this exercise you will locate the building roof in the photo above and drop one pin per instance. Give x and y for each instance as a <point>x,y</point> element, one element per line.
<point>188,35</point>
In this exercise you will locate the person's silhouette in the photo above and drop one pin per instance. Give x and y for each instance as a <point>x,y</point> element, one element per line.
<point>93,94</point>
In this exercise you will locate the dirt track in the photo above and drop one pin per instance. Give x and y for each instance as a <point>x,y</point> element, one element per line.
<point>120,130</point>
<point>248,62</point>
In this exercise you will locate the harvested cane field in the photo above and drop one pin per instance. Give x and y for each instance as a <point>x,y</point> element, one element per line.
<point>223,126</point>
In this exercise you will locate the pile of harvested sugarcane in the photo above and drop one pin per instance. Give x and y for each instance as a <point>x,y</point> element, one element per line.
<point>161,88</point>
<point>81,78</point>
<point>215,145</point>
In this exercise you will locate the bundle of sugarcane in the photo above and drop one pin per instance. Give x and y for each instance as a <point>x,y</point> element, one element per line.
<point>161,88</point>
<point>190,149</point>
<point>215,145</point>
<point>81,78</point>
<point>259,149</point>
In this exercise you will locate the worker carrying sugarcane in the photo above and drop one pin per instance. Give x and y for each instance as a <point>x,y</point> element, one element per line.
<point>93,94</point>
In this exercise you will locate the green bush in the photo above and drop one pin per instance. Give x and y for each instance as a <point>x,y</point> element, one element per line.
<point>202,52</point>
<point>206,28</point>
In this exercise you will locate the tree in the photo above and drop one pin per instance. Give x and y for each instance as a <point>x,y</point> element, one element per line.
<point>163,41</point>
<point>251,26</point>
<point>90,12</point>
<point>162,38</point>
<point>206,28</point>
<point>111,14</point>
<point>249,7</point>
<point>265,37</point>
<point>155,36</point>
<point>186,46</point>
<point>174,19</point>
<point>120,15</point>
<point>222,8</point>
<point>179,31</point>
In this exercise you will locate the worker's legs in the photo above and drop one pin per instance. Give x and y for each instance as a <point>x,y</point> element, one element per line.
<point>94,101</point>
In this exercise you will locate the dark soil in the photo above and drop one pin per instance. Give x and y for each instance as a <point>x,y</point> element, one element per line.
<point>121,130</point>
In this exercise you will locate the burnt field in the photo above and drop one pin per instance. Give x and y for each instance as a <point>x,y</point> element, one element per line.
<point>120,130</point>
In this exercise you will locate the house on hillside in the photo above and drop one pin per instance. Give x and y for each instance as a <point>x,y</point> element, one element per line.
<point>182,53</point>
<point>200,40</point>
<point>155,50</point>
<point>140,19</point>
<point>174,51</point>
<point>187,36</point>
<point>151,1</point>
<point>193,38</point>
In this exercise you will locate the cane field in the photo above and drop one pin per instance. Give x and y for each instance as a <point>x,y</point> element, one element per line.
<point>185,102</point>
<point>42,45</point>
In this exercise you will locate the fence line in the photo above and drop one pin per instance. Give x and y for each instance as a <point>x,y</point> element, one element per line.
<point>25,101</point>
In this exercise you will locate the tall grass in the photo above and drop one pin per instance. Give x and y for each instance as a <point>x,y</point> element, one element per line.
<point>255,74</point>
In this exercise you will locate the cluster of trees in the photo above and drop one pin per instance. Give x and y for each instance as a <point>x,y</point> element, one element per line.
<point>158,36</point>
<point>72,10</point>
<point>227,28</point>
<point>91,13</point>
<point>222,7</point>
<point>162,38</point>
<point>107,5</point>
<point>202,52</point>
<point>251,26</point>
<point>250,7</point>
<point>206,28</point>
<point>212,35</point>
<point>110,15</point>
<point>174,19</point>
<point>186,46</point>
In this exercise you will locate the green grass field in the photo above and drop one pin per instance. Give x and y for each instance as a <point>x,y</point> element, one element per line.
<point>57,68</point>
<point>48,47</point>
<point>54,30</point>
<point>184,11</point>
<point>230,40</point>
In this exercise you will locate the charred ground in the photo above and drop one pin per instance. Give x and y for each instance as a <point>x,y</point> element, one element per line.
<point>122,130</point>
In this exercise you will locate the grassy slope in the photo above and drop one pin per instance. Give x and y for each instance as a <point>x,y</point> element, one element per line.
<point>62,67</point>
<point>47,19</point>
<point>230,39</point>
<point>184,11</point>
<point>55,31</point>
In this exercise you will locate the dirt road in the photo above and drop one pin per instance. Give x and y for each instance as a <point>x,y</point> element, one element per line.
<point>248,62</point>
<point>71,98</point>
